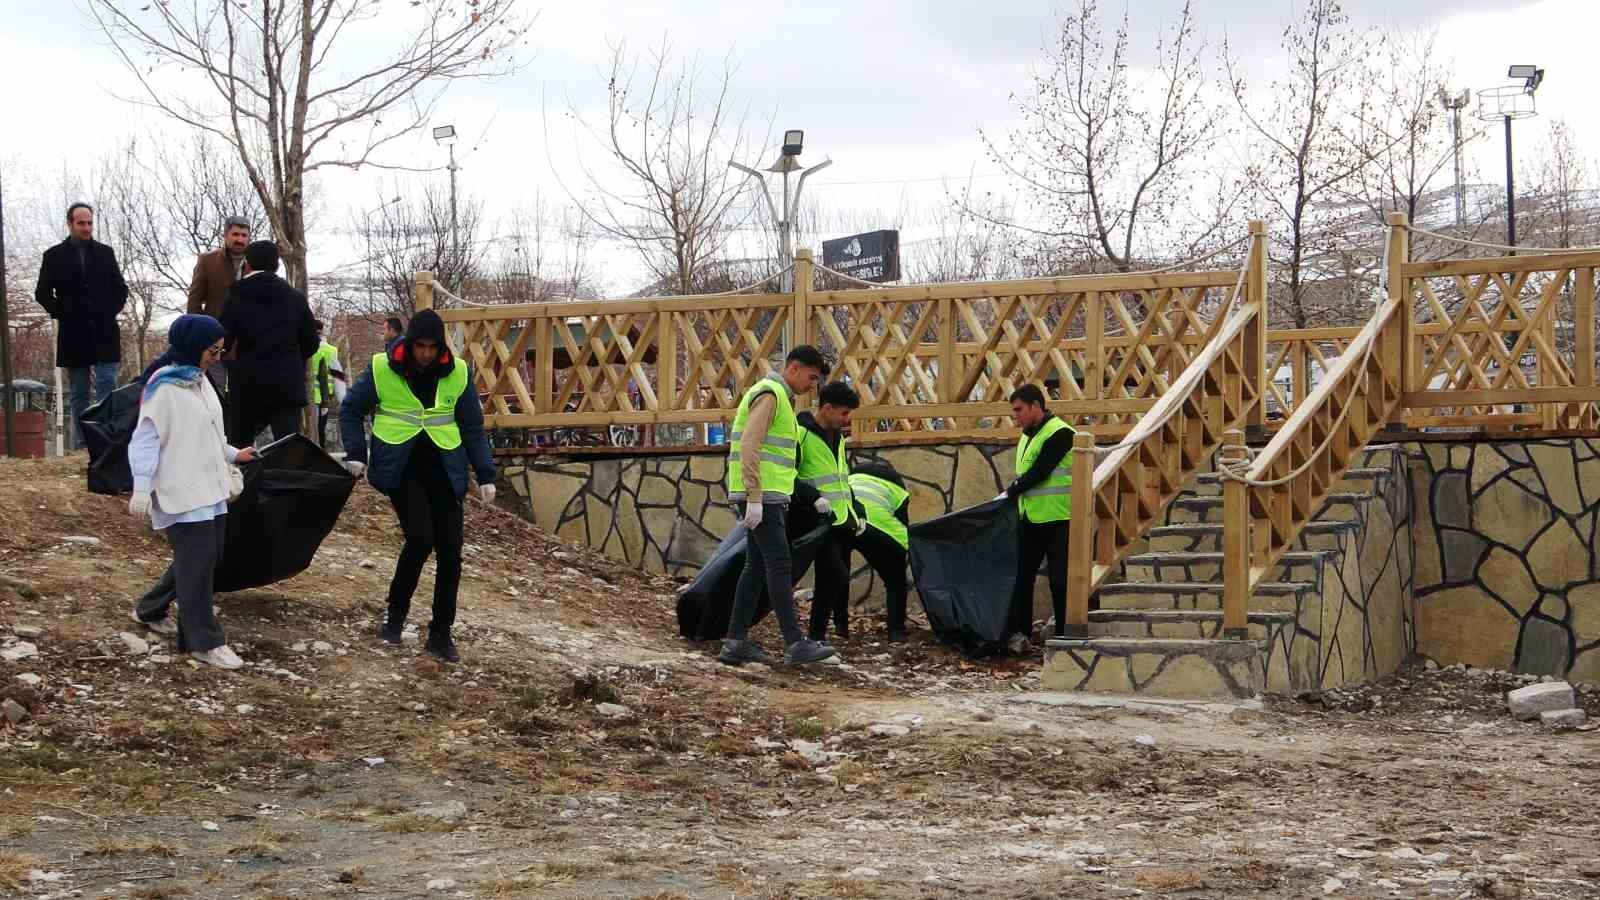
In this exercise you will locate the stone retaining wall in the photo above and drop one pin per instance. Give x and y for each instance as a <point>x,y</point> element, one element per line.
<point>1505,537</point>
<point>1507,575</point>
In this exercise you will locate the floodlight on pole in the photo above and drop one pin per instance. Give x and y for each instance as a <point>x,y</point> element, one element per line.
<point>1506,103</point>
<point>446,135</point>
<point>788,161</point>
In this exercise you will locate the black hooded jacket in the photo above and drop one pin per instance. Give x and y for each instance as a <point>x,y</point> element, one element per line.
<point>270,337</point>
<point>387,465</point>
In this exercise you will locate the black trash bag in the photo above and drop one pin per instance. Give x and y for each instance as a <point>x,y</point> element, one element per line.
<point>706,606</point>
<point>107,430</point>
<point>293,495</point>
<point>965,567</point>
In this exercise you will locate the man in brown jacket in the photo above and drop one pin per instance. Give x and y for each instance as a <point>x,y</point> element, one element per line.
<point>214,274</point>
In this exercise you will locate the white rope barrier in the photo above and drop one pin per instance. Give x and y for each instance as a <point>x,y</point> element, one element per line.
<point>1490,246</point>
<point>442,290</point>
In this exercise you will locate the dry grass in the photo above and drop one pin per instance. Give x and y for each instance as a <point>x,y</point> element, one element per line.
<point>14,869</point>
<point>160,892</point>
<point>1170,881</point>
<point>415,824</point>
<point>353,875</point>
<point>112,846</point>
<point>255,848</point>
<point>557,868</point>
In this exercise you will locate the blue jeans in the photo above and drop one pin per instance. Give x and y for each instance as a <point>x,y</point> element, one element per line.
<point>105,381</point>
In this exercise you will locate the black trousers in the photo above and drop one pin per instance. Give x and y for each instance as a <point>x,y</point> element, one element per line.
<point>766,564</point>
<point>832,595</point>
<point>888,559</point>
<point>431,519</point>
<point>1039,542</point>
<point>246,418</point>
<point>196,550</point>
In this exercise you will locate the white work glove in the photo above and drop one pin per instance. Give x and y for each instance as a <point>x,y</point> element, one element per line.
<point>861,526</point>
<point>486,493</point>
<point>823,506</point>
<point>355,468</point>
<point>752,516</point>
<point>139,506</point>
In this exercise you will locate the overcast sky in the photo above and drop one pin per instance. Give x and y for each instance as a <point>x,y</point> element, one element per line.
<point>893,91</point>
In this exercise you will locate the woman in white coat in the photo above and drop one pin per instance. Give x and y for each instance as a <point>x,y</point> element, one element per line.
<point>182,481</point>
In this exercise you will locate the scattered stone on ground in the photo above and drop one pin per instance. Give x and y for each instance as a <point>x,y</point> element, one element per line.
<point>1528,702</point>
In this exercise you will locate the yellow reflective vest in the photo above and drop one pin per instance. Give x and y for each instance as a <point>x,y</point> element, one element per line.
<point>1051,499</point>
<point>880,497</point>
<point>401,416</point>
<point>777,449</point>
<point>827,471</point>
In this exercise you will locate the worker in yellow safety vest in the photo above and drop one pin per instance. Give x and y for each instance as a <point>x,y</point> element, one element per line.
<point>761,481</point>
<point>427,426</point>
<point>883,534</point>
<point>320,367</point>
<point>823,463</point>
<point>1043,491</point>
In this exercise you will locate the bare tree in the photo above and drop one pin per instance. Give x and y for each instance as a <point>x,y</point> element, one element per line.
<point>1558,208</point>
<point>291,89</point>
<point>670,130</point>
<point>413,235</point>
<point>1302,149</point>
<point>542,255</point>
<point>1109,165</point>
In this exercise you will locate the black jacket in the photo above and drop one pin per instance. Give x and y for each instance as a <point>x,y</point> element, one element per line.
<point>270,337</point>
<point>387,465</point>
<point>1050,455</point>
<point>86,300</point>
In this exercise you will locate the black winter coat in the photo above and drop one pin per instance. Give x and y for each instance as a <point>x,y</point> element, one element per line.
<point>270,337</point>
<point>85,300</point>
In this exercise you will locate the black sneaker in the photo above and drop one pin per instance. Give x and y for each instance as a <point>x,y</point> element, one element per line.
<point>390,632</point>
<point>737,653</point>
<point>808,651</point>
<point>897,635</point>
<point>444,649</point>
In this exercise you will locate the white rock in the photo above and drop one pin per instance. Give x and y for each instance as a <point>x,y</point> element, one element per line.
<point>442,884</point>
<point>419,707</point>
<point>15,712</point>
<point>611,710</point>
<point>1563,718</point>
<point>27,631</point>
<point>888,729</point>
<point>244,709</point>
<point>864,872</point>
<point>19,651</point>
<point>136,645</point>
<point>208,825</point>
<point>443,812</point>
<point>367,564</point>
<point>321,647</point>
<point>1345,853</point>
<point>1528,702</point>
<point>1145,740</point>
<point>83,540</point>
<point>373,761</point>
<point>29,679</point>
<point>298,646</point>
<point>1332,886</point>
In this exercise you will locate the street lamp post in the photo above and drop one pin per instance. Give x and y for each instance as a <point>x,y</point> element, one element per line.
<point>788,161</point>
<point>446,134</point>
<point>1455,104</point>
<point>1507,103</point>
<point>367,216</point>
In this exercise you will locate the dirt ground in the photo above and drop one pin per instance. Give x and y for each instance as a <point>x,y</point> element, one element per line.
<point>334,765</point>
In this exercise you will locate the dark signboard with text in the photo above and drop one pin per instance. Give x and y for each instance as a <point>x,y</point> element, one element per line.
<point>873,256</point>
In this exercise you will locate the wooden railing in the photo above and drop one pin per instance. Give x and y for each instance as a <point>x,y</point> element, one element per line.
<point>1116,499</point>
<point>928,358</point>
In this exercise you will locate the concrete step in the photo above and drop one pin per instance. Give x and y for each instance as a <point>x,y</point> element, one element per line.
<point>1156,667</point>
<point>1203,537</point>
<point>1273,596</point>
<point>1360,478</point>
<point>1206,565</point>
<point>1181,623</point>
<point>1202,510</point>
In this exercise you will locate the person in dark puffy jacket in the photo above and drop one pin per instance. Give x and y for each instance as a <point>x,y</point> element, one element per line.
<point>427,427</point>
<point>270,337</point>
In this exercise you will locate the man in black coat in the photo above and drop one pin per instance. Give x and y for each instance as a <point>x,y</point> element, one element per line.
<point>270,337</point>
<point>81,287</point>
